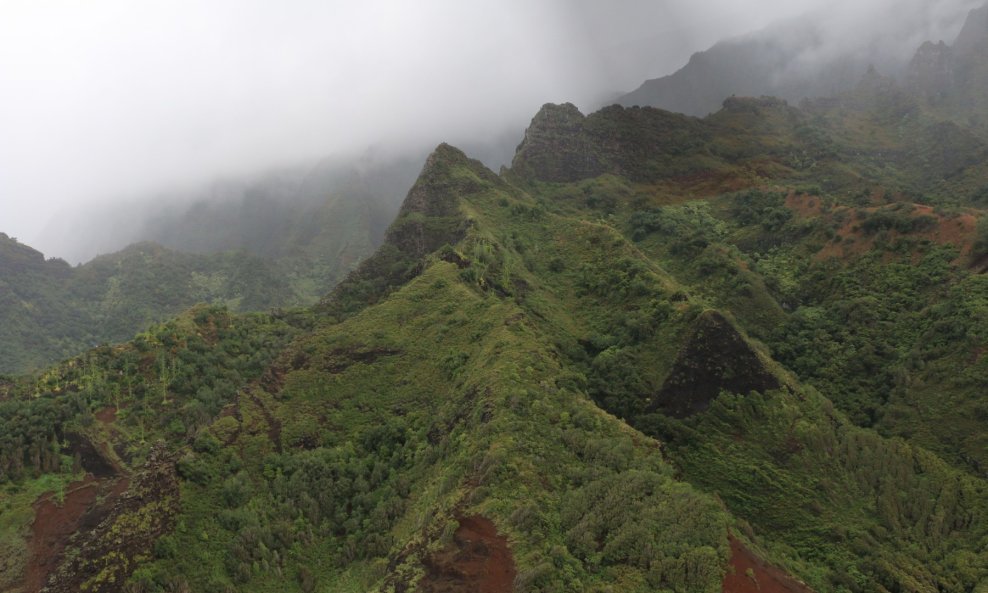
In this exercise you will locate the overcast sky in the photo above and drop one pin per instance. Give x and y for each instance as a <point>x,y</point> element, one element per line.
<point>105,99</point>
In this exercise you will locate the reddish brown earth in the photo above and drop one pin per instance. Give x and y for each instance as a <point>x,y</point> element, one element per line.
<point>107,415</point>
<point>762,578</point>
<point>83,505</point>
<point>958,230</point>
<point>53,524</point>
<point>107,542</point>
<point>804,205</point>
<point>478,561</point>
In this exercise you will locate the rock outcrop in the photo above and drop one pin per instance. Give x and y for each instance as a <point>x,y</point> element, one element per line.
<point>715,358</point>
<point>643,144</point>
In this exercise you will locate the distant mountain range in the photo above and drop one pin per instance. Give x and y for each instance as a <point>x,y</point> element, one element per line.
<point>809,57</point>
<point>284,240</point>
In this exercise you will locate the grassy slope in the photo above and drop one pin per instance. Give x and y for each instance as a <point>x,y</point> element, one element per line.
<point>460,407</point>
<point>713,250</point>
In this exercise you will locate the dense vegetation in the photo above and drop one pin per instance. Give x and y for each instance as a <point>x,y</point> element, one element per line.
<point>282,240</point>
<point>650,335</point>
<point>51,311</point>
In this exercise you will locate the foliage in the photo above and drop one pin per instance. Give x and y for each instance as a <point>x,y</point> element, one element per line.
<point>502,355</point>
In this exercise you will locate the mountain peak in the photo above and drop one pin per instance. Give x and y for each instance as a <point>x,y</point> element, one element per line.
<point>974,34</point>
<point>430,217</point>
<point>931,71</point>
<point>436,190</point>
<point>556,146</point>
<point>15,257</point>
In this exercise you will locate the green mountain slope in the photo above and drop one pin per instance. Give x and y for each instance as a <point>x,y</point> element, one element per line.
<point>316,223</point>
<point>283,240</point>
<point>638,360</point>
<point>52,311</point>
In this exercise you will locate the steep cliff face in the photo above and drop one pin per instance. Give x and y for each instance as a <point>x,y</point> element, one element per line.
<point>974,35</point>
<point>557,147</point>
<point>931,72</point>
<point>563,145</point>
<point>715,358</point>
<point>953,79</point>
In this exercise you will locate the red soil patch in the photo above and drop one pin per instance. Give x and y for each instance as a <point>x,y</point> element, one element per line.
<point>957,230</point>
<point>53,524</point>
<point>83,505</point>
<point>804,205</point>
<point>107,415</point>
<point>751,574</point>
<point>478,561</point>
<point>978,353</point>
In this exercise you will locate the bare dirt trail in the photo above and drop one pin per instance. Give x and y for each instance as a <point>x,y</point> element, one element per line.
<point>751,574</point>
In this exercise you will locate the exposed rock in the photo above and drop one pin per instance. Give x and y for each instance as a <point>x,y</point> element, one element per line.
<point>556,146</point>
<point>89,456</point>
<point>104,551</point>
<point>643,144</point>
<point>715,358</point>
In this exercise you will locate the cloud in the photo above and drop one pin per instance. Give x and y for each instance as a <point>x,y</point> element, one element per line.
<point>884,32</point>
<point>106,99</point>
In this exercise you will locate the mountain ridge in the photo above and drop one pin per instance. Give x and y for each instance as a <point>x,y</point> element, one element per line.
<point>655,353</point>
<point>795,60</point>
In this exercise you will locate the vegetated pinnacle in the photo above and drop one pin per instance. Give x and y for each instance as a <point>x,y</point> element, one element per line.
<point>436,189</point>
<point>430,217</point>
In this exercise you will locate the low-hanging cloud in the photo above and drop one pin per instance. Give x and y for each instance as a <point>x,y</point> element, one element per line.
<point>885,33</point>
<point>110,98</point>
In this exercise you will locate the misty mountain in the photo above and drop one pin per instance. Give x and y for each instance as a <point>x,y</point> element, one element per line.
<point>50,311</point>
<point>739,353</point>
<point>283,239</point>
<point>317,223</point>
<point>274,214</point>
<point>819,55</point>
<point>952,79</point>
<point>656,353</point>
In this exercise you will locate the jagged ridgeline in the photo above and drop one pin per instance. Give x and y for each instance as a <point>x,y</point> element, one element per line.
<point>567,377</point>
